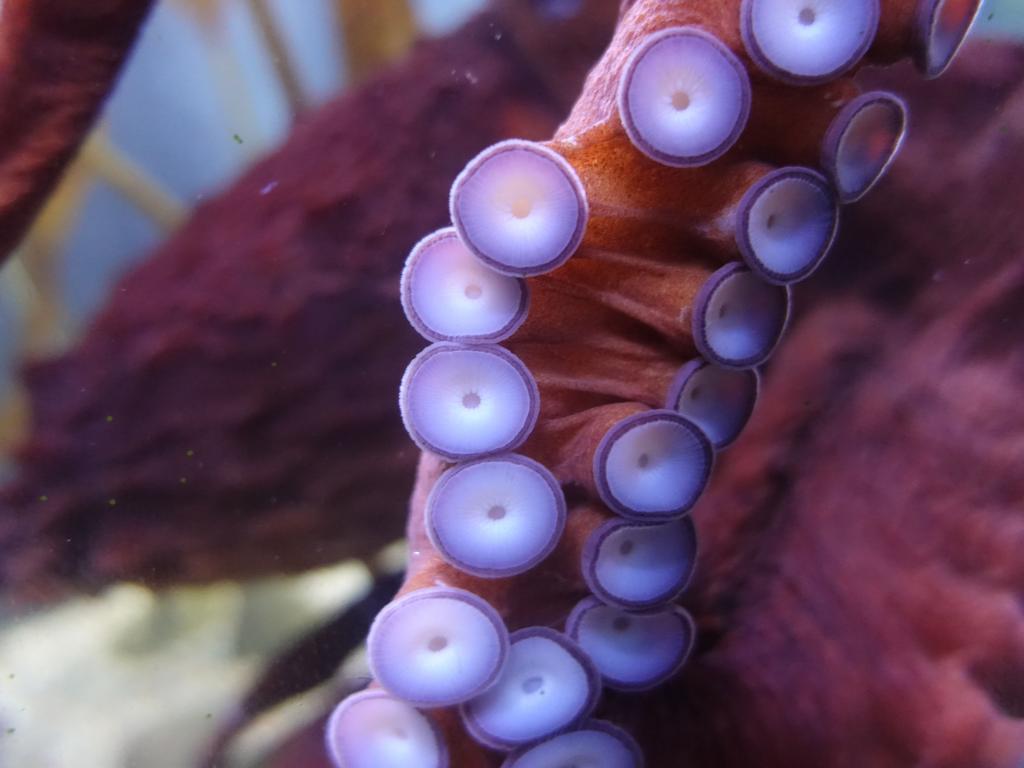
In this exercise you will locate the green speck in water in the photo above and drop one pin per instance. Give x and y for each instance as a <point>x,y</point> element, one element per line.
<point>237,138</point>
<point>44,498</point>
<point>112,502</point>
<point>109,419</point>
<point>183,480</point>
<point>190,453</point>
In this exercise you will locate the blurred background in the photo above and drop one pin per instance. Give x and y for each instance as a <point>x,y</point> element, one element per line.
<point>133,677</point>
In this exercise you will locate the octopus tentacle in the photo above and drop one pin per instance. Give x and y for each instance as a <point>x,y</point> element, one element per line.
<point>627,228</point>
<point>639,565</point>
<point>448,295</point>
<point>787,222</point>
<point>595,743</point>
<point>437,647</point>
<point>496,517</point>
<point>465,402</point>
<point>632,651</point>
<point>373,728</point>
<point>738,318</point>
<point>862,142</point>
<point>718,400</point>
<point>548,685</point>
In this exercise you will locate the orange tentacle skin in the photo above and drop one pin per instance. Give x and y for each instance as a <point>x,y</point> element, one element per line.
<point>657,233</point>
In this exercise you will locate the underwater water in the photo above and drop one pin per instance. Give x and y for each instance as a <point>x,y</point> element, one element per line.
<point>205,475</point>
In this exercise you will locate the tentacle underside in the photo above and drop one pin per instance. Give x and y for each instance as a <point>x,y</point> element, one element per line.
<point>636,272</point>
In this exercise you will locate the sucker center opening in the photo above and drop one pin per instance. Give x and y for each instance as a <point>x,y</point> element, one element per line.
<point>621,624</point>
<point>680,100</point>
<point>626,547</point>
<point>807,16</point>
<point>473,291</point>
<point>437,644</point>
<point>643,461</point>
<point>521,207</point>
<point>497,512</point>
<point>471,400</point>
<point>533,684</point>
